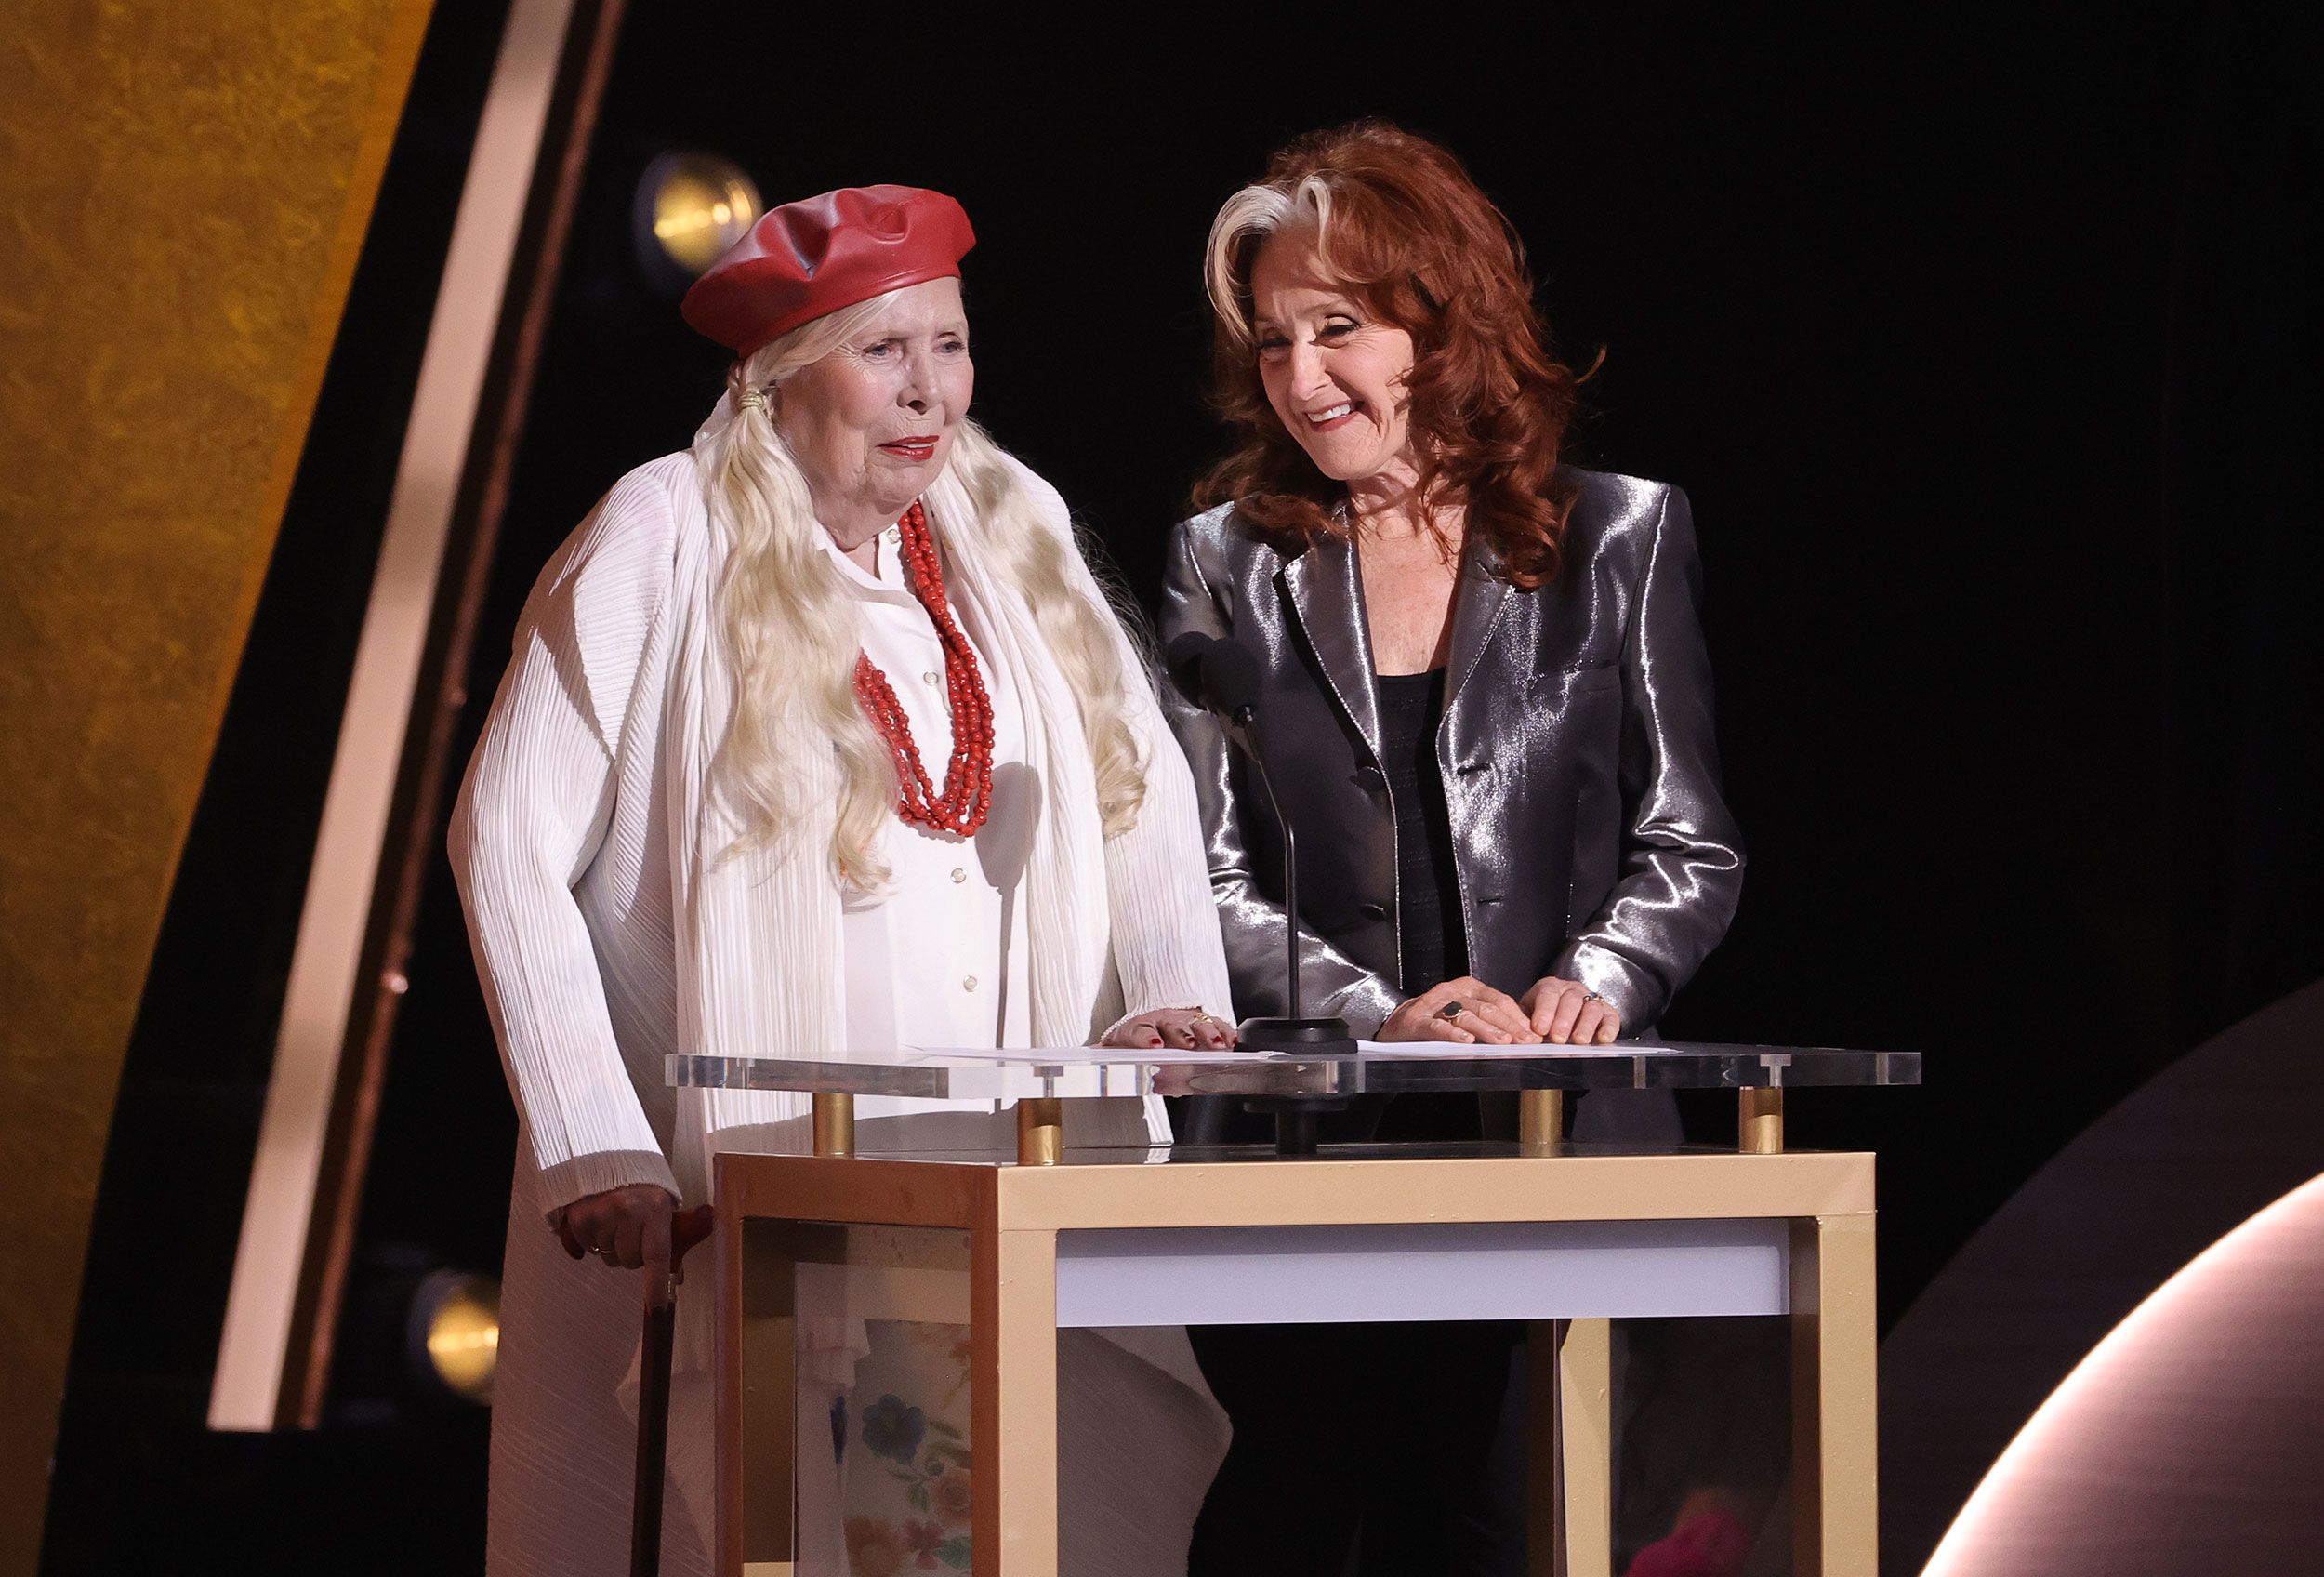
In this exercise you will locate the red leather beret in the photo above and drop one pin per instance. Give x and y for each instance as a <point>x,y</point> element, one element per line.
<point>820,254</point>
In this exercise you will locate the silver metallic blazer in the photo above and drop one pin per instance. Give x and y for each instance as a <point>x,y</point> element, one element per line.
<point>1589,838</point>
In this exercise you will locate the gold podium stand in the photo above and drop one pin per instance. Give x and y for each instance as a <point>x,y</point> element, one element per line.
<point>1014,1247</point>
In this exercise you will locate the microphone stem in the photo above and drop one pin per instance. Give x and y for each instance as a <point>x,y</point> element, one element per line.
<point>1248,719</point>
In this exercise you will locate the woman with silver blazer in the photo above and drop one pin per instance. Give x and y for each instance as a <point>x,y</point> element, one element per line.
<point>1486,702</point>
<point>1579,778</point>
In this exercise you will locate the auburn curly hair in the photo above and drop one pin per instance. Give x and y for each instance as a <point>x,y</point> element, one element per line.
<point>1400,222</point>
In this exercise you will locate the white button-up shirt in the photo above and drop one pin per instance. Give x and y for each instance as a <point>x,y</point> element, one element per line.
<point>938,957</point>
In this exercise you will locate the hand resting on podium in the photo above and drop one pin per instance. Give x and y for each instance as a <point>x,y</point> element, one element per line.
<point>1181,1029</point>
<point>1466,1010</point>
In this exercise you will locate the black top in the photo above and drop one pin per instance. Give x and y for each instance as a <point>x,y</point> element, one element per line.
<point>1431,941</point>
<point>1432,945</point>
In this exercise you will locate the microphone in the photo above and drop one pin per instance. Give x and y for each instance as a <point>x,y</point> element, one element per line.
<point>1225,679</point>
<point>1230,680</point>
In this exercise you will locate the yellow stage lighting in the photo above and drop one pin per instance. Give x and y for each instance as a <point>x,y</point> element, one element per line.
<point>692,206</point>
<point>458,1316</point>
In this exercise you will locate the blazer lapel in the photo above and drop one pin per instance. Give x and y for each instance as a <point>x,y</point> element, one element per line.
<point>1478,604</point>
<point>1328,595</point>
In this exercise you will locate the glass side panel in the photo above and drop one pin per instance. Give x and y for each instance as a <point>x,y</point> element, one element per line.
<point>1444,1446</point>
<point>1702,1444</point>
<point>855,1394</point>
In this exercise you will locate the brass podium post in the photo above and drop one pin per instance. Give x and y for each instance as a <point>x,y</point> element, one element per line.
<point>1040,1133</point>
<point>835,1124</point>
<point>1540,1122</point>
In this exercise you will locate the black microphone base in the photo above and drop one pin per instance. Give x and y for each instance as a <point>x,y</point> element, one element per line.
<point>1314,1037</point>
<point>1295,1114</point>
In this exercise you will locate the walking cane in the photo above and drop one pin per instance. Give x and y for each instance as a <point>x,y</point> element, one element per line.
<point>686,1229</point>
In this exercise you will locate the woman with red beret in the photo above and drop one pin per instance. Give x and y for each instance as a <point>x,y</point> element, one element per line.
<point>819,735</point>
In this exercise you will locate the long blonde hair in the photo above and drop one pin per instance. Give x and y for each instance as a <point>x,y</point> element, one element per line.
<point>788,625</point>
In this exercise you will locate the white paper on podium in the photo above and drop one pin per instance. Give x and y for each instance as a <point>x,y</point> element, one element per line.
<point>1090,1056</point>
<point>1084,1056</point>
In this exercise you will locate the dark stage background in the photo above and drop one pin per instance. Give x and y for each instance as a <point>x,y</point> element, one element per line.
<point>1986,352</point>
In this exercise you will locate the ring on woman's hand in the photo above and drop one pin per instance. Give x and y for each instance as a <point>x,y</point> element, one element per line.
<point>1452,1009</point>
<point>1593,997</point>
<point>603,1253</point>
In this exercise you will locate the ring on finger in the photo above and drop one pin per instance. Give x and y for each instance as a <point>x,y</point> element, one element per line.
<point>603,1253</point>
<point>1454,1008</point>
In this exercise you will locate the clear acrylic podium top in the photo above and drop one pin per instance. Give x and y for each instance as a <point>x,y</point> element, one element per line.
<point>1081,1072</point>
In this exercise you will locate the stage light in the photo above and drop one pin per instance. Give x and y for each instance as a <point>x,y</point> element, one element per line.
<point>456,1331</point>
<point>691,208</point>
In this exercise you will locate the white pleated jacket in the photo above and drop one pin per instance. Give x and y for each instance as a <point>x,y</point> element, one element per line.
<point>608,932</point>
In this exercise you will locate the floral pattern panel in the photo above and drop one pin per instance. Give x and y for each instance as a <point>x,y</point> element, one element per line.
<point>900,1441</point>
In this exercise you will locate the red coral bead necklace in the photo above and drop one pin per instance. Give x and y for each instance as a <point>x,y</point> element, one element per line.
<point>968,792</point>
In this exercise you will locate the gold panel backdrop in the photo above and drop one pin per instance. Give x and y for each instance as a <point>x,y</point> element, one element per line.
<point>183,190</point>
